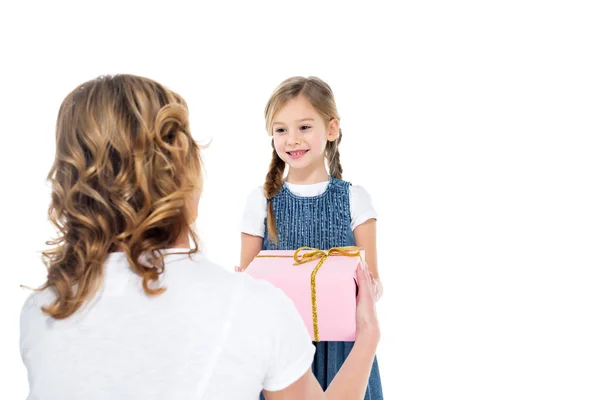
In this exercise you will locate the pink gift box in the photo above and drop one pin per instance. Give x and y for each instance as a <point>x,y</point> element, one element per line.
<point>321,283</point>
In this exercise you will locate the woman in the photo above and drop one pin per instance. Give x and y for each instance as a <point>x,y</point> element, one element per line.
<point>131,309</point>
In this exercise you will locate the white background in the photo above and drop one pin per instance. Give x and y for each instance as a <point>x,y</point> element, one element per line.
<point>474,125</point>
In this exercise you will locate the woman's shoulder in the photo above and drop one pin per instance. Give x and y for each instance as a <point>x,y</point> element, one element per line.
<point>33,320</point>
<point>32,307</point>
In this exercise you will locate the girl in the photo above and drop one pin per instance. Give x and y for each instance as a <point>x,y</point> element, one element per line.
<point>311,206</point>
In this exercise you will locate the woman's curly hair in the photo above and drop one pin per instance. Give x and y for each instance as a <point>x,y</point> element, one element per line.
<point>125,169</point>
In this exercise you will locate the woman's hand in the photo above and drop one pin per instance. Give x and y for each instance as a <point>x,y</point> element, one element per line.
<point>367,325</point>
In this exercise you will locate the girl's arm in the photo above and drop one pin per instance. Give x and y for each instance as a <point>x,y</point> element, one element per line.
<point>366,238</point>
<point>252,227</point>
<point>251,246</point>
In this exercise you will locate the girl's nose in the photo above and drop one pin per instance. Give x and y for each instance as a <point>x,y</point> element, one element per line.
<point>293,138</point>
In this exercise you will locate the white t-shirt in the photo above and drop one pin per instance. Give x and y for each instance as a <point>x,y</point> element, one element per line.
<point>212,335</point>
<point>255,212</point>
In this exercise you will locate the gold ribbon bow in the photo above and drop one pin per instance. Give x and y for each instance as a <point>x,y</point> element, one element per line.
<point>310,254</point>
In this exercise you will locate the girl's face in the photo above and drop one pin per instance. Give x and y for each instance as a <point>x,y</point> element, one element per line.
<point>300,134</point>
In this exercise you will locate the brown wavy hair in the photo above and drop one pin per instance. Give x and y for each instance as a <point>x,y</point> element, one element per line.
<point>320,96</point>
<point>125,168</point>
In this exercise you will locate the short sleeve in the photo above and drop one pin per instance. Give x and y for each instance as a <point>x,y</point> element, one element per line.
<point>26,326</point>
<point>255,213</point>
<point>292,351</point>
<point>33,322</point>
<point>361,206</point>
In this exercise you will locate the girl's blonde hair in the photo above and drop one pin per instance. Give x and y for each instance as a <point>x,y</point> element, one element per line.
<point>320,96</point>
<point>125,169</point>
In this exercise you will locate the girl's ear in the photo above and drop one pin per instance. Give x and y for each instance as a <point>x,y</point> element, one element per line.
<point>333,129</point>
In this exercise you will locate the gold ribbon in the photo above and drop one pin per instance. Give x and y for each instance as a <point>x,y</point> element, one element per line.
<point>312,254</point>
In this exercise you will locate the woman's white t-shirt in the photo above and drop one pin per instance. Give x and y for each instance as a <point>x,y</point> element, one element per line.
<point>211,335</point>
<point>255,212</point>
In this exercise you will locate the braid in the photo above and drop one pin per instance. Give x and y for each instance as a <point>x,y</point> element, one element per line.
<point>333,154</point>
<point>273,184</point>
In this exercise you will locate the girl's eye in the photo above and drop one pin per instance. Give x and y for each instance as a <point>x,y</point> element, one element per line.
<point>305,127</point>
<point>280,130</point>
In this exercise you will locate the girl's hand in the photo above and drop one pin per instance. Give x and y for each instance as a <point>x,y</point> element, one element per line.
<point>377,287</point>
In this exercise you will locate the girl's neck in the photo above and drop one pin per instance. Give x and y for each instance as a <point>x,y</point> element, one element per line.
<point>308,175</point>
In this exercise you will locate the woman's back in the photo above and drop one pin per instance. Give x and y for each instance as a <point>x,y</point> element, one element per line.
<point>211,334</point>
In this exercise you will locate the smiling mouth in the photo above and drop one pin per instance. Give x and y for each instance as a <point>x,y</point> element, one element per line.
<point>297,153</point>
